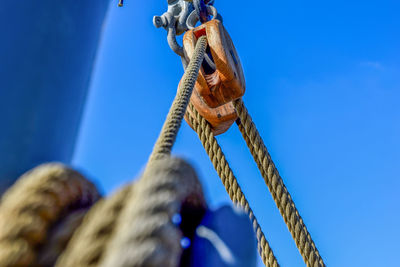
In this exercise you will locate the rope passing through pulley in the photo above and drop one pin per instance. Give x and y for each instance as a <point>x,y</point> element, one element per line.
<point>215,103</point>
<point>215,90</point>
<point>48,204</point>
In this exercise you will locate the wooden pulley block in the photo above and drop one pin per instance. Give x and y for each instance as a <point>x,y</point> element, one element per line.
<point>227,82</point>
<point>220,118</point>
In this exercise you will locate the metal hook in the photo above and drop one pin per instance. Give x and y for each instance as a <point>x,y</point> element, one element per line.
<point>174,21</point>
<point>172,42</point>
<point>180,17</point>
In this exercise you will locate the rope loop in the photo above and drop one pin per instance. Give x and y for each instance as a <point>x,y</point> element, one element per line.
<point>37,204</point>
<point>146,233</point>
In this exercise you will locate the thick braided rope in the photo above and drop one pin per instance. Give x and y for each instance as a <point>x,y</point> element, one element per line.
<point>88,244</point>
<point>229,180</point>
<point>33,205</point>
<point>59,237</point>
<point>171,126</point>
<point>146,234</point>
<point>279,192</point>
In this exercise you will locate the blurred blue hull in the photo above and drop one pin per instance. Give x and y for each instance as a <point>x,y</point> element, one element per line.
<point>47,54</point>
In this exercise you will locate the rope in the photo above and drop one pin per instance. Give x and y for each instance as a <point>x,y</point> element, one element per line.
<point>89,242</point>
<point>279,192</point>
<point>146,234</point>
<point>174,118</point>
<point>229,180</point>
<point>88,247</point>
<point>33,205</point>
<point>59,237</point>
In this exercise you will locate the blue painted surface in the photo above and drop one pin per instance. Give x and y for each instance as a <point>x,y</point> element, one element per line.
<point>47,54</point>
<point>224,238</point>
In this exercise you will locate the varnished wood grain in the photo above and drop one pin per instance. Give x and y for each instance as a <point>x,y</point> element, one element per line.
<point>228,82</point>
<point>220,118</point>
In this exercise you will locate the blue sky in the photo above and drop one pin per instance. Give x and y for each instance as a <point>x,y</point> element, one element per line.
<point>323,86</point>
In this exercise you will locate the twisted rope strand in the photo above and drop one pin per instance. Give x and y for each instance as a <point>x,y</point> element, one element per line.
<point>90,241</point>
<point>279,192</point>
<point>33,205</point>
<point>59,237</point>
<point>145,233</point>
<point>175,115</point>
<point>229,180</point>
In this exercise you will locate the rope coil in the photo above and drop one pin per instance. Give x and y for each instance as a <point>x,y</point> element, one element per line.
<point>146,234</point>
<point>89,243</point>
<point>59,238</point>
<point>34,205</point>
